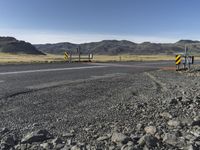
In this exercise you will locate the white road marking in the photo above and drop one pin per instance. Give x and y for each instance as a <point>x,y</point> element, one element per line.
<point>1,81</point>
<point>49,70</point>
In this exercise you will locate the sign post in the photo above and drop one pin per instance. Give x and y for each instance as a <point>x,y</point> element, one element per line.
<point>187,60</point>
<point>66,56</point>
<point>178,61</point>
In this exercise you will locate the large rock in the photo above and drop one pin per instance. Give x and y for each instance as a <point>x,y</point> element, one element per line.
<point>9,140</point>
<point>196,123</point>
<point>37,136</point>
<point>150,130</point>
<point>148,140</point>
<point>170,139</point>
<point>119,138</point>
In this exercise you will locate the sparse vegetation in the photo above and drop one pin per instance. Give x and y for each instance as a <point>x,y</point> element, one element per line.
<point>126,57</point>
<point>6,58</point>
<point>25,58</point>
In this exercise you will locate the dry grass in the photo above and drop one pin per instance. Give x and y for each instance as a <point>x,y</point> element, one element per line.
<point>23,58</point>
<point>105,58</point>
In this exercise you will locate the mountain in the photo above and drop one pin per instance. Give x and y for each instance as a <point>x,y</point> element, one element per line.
<point>113,47</point>
<point>188,42</point>
<point>12,45</point>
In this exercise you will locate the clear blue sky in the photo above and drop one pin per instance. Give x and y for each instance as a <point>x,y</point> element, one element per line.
<point>42,21</point>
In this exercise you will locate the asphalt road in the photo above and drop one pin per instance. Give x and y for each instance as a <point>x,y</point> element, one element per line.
<point>19,79</point>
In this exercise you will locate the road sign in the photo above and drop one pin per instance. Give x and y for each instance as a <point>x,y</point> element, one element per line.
<point>66,56</point>
<point>178,59</point>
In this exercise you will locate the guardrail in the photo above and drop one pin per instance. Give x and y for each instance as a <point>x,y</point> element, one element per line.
<point>78,57</point>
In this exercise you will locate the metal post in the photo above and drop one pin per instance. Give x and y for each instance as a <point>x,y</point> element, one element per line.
<point>185,63</point>
<point>70,58</point>
<point>79,54</point>
<point>79,57</point>
<point>189,65</point>
<point>120,58</point>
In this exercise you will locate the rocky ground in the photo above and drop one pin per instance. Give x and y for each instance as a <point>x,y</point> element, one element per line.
<point>154,110</point>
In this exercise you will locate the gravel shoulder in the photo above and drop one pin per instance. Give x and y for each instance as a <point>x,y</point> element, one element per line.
<point>151,110</point>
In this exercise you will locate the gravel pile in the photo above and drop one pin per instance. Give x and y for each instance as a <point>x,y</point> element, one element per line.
<point>155,110</point>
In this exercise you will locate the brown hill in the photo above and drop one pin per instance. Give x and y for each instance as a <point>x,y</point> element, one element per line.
<point>14,46</point>
<point>113,47</point>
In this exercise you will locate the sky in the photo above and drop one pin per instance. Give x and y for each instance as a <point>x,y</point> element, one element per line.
<point>80,21</point>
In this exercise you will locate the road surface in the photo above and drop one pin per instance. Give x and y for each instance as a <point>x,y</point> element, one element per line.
<point>19,79</point>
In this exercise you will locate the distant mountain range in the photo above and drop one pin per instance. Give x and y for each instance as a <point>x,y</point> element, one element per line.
<point>113,47</point>
<point>12,45</point>
<point>108,47</point>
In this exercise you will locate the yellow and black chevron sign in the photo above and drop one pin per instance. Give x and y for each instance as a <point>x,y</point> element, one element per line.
<point>66,56</point>
<point>178,59</point>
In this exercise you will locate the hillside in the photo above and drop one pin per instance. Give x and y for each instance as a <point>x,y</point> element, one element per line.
<point>14,46</point>
<point>113,47</point>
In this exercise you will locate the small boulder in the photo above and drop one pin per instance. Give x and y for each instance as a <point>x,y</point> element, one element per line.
<point>57,141</point>
<point>196,123</point>
<point>127,147</point>
<point>148,140</point>
<point>46,145</point>
<point>119,138</point>
<point>150,130</point>
<point>173,123</point>
<point>37,136</point>
<point>170,139</point>
<point>8,140</point>
<point>173,101</point>
<point>166,115</point>
<point>102,138</point>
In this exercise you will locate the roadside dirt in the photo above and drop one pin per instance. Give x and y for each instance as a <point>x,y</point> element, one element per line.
<point>151,110</point>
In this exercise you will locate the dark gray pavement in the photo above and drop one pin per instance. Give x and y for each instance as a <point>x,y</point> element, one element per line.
<point>17,79</point>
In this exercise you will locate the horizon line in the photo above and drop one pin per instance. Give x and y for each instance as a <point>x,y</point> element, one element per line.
<point>49,37</point>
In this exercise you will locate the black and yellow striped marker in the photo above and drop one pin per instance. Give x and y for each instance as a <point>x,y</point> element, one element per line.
<point>66,56</point>
<point>178,59</point>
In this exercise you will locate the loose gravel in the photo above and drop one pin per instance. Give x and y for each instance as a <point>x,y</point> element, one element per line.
<point>152,110</point>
